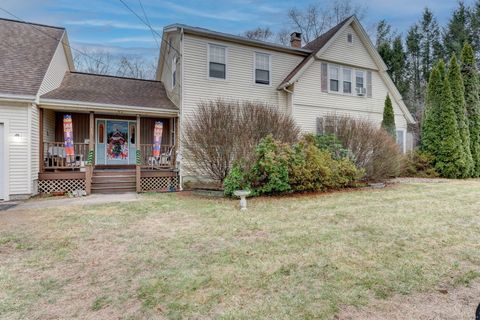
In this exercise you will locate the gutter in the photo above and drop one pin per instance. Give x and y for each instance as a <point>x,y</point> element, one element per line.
<point>17,98</point>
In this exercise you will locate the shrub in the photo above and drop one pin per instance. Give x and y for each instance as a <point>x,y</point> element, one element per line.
<point>269,173</point>
<point>374,149</point>
<point>219,133</point>
<point>388,122</point>
<point>279,168</point>
<point>314,169</point>
<point>332,144</point>
<point>419,164</point>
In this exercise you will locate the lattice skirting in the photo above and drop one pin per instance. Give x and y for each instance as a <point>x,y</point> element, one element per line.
<point>67,185</point>
<point>159,183</point>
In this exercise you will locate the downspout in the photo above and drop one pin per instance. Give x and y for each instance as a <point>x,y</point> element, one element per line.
<point>180,119</point>
<point>289,94</point>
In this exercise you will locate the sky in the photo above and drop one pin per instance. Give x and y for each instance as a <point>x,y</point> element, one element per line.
<point>107,24</point>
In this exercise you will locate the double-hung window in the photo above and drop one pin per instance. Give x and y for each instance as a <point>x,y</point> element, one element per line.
<point>217,61</point>
<point>262,68</point>
<point>359,79</point>
<point>334,78</point>
<point>347,80</point>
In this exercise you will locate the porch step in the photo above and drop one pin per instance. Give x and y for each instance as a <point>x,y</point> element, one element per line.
<point>113,181</point>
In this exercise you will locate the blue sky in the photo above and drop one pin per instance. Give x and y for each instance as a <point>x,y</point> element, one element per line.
<point>109,25</point>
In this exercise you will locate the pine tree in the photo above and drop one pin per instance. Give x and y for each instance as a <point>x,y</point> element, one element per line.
<point>430,139</point>
<point>388,122</point>
<point>414,99</point>
<point>430,44</point>
<point>457,31</point>
<point>456,84</point>
<point>472,102</point>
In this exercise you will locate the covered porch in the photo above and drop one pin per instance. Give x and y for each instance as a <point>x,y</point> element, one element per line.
<point>98,133</point>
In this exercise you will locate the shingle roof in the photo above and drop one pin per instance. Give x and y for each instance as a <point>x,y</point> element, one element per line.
<point>26,50</point>
<point>315,45</point>
<point>101,89</point>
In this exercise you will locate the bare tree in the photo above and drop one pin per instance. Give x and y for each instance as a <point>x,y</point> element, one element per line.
<point>94,61</point>
<point>135,67</point>
<point>317,19</point>
<point>259,33</point>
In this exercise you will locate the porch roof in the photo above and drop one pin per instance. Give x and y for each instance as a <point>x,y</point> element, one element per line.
<point>96,89</point>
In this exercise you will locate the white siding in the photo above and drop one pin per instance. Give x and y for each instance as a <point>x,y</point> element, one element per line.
<point>166,77</point>
<point>19,161</point>
<point>55,72</point>
<point>310,102</point>
<point>239,84</point>
<point>354,54</point>
<point>34,147</point>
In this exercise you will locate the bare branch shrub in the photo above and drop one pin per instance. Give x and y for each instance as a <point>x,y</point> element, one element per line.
<point>220,132</point>
<point>374,149</point>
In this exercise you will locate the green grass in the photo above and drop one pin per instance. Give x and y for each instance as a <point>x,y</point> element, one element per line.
<point>179,256</point>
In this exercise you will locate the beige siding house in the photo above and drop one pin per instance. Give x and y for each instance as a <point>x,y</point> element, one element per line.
<point>340,72</point>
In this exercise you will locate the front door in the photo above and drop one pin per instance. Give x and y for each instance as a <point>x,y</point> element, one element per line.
<point>2,162</point>
<point>115,143</point>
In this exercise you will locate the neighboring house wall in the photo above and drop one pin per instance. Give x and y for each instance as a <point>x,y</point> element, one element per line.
<point>56,70</point>
<point>170,53</point>
<point>17,117</point>
<point>239,83</point>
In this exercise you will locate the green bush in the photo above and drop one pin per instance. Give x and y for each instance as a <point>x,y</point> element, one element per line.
<point>333,145</point>
<point>279,168</point>
<point>419,164</point>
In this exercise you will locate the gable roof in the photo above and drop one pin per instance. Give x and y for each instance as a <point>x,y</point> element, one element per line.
<point>26,50</point>
<point>315,46</point>
<point>110,90</point>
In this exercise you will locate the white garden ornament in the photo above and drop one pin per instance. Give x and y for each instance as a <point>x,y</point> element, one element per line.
<point>243,198</point>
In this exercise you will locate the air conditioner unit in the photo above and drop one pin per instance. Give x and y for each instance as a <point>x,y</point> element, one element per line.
<point>361,91</point>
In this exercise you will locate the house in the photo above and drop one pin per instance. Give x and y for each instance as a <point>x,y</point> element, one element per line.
<point>111,142</point>
<point>112,121</point>
<point>339,72</point>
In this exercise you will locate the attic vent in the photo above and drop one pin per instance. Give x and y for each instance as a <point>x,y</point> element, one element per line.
<point>350,38</point>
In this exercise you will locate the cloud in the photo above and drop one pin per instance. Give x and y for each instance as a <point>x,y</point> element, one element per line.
<point>229,15</point>
<point>132,39</point>
<point>108,23</point>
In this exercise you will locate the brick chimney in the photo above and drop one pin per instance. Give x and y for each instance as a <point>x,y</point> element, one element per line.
<point>296,40</point>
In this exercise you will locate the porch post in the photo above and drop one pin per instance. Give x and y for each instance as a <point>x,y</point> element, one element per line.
<point>42,147</point>
<point>91,144</point>
<point>139,156</point>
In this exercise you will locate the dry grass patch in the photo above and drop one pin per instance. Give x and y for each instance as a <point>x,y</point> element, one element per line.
<point>174,256</point>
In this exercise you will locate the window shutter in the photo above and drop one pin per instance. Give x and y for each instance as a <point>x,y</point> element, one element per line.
<point>320,128</point>
<point>369,84</point>
<point>324,75</point>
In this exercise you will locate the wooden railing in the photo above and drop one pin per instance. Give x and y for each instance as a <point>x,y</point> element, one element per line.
<point>54,156</point>
<point>166,160</point>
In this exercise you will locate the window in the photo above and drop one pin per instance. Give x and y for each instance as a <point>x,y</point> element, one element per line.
<point>359,79</point>
<point>262,68</point>
<point>217,62</point>
<point>350,38</point>
<point>174,71</point>
<point>347,81</point>
<point>401,140</point>
<point>333,78</point>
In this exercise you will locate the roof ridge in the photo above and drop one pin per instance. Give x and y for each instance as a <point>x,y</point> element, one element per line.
<point>111,76</point>
<point>33,23</point>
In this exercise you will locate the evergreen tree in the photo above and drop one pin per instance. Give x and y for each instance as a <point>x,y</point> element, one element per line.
<point>388,122</point>
<point>449,158</point>
<point>458,30</point>
<point>458,94</point>
<point>399,66</point>
<point>472,102</point>
<point>430,139</point>
<point>384,33</point>
<point>430,44</point>
<point>414,99</point>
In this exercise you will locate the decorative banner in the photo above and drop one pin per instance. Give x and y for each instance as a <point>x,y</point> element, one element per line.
<point>157,138</point>
<point>68,135</point>
<point>117,138</point>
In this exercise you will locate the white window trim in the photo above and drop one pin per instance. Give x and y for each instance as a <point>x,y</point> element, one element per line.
<point>339,78</point>
<point>269,67</point>
<point>174,71</point>
<point>352,79</point>
<point>404,134</point>
<point>208,61</point>
<point>353,40</point>
<point>352,70</point>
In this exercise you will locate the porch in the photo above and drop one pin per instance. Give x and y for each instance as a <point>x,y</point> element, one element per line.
<point>112,152</point>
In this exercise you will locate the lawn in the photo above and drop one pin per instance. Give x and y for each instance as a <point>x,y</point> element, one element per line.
<point>180,256</point>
